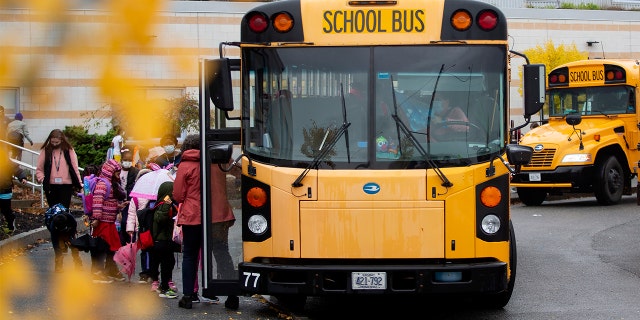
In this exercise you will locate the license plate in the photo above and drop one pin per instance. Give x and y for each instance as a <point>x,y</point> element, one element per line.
<point>368,280</point>
<point>535,177</point>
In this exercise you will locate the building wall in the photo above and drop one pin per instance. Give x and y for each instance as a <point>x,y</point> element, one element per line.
<point>65,93</point>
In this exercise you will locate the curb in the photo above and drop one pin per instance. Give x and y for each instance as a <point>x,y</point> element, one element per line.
<point>22,240</point>
<point>32,237</point>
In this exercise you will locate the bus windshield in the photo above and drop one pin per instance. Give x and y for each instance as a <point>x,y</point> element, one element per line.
<point>356,101</point>
<point>591,101</point>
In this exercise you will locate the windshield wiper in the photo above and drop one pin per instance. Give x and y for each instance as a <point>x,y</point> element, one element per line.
<point>322,154</point>
<point>414,141</point>
<point>344,120</point>
<point>332,142</point>
<point>433,97</point>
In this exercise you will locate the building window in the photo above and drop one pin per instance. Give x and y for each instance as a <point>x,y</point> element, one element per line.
<point>9,100</point>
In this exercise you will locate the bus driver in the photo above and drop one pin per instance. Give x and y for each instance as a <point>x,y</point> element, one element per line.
<point>447,119</point>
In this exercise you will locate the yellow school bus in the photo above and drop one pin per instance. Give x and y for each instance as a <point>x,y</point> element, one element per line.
<point>589,143</point>
<point>355,178</point>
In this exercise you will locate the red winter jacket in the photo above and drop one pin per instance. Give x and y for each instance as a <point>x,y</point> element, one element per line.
<point>186,188</point>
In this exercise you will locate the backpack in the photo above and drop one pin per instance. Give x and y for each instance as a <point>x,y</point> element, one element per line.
<point>145,224</point>
<point>89,183</point>
<point>51,212</point>
<point>163,220</point>
<point>145,218</point>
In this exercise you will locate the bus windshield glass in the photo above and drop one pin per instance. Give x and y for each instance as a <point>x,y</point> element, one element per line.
<point>374,107</point>
<point>591,101</point>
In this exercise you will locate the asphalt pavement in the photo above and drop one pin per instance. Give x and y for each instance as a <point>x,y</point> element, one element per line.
<point>30,289</point>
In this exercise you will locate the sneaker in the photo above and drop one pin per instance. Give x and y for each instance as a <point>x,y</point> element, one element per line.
<point>172,286</point>
<point>117,277</point>
<point>8,229</point>
<point>155,286</point>
<point>168,294</point>
<point>144,278</point>
<point>185,302</point>
<point>197,299</point>
<point>98,277</point>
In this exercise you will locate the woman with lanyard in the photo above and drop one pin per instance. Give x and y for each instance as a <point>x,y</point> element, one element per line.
<point>57,169</point>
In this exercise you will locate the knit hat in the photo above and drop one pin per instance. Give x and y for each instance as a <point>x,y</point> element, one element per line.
<point>19,116</point>
<point>165,189</point>
<point>109,167</point>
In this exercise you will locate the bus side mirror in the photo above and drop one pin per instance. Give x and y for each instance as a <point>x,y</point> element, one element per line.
<point>573,119</point>
<point>518,154</point>
<point>534,88</point>
<point>218,82</point>
<point>220,153</point>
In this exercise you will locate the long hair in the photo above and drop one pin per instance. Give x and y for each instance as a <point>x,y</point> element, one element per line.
<point>64,142</point>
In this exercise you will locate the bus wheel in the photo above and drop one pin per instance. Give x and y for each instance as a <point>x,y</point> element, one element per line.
<point>532,196</point>
<point>500,300</point>
<point>609,182</point>
<point>294,302</point>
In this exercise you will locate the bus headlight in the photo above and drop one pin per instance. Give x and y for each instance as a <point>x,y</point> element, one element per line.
<point>490,224</point>
<point>577,157</point>
<point>257,224</point>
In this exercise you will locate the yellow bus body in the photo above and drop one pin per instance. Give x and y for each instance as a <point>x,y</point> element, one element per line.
<point>342,181</point>
<point>600,153</point>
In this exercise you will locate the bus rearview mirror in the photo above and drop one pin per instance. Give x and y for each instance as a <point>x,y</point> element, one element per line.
<point>220,153</point>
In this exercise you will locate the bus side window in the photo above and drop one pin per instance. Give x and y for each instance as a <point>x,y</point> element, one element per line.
<point>631,104</point>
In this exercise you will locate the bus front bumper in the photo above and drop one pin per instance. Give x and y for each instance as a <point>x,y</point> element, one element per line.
<point>574,178</point>
<point>485,277</point>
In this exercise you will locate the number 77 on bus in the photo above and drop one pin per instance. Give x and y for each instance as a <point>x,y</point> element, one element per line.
<point>356,177</point>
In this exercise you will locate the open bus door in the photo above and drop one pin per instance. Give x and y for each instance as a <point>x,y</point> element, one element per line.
<point>221,252</point>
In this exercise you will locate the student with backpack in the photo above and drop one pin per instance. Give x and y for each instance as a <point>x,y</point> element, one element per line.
<point>106,207</point>
<point>137,208</point>
<point>162,252</point>
<point>132,225</point>
<point>62,227</point>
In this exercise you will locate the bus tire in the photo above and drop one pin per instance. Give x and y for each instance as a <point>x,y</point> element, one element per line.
<point>532,196</point>
<point>609,182</point>
<point>498,301</point>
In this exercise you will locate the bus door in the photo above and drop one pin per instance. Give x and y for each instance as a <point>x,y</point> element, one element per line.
<point>222,236</point>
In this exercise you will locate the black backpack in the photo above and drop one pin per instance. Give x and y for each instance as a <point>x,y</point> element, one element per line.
<point>53,211</point>
<point>145,218</point>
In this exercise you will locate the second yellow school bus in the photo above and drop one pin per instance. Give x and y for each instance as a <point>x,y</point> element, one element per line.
<point>355,180</point>
<point>589,142</point>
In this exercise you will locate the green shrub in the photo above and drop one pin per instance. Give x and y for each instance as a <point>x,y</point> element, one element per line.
<point>90,148</point>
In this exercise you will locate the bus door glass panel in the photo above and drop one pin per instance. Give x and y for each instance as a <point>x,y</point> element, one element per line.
<point>473,81</point>
<point>302,92</point>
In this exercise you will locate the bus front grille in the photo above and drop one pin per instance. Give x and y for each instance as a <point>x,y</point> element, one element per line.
<point>543,158</point>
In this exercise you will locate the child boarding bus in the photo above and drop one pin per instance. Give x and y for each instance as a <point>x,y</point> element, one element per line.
<point>373,144</point>
<point>589,143</point>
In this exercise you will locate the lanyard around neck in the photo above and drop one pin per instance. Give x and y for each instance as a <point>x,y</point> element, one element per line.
<point>57,163</point>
